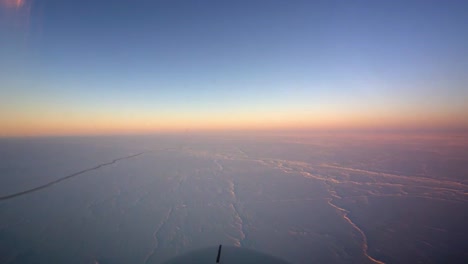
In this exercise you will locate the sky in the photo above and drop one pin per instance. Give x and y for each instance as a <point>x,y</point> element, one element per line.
<point>71,67</point>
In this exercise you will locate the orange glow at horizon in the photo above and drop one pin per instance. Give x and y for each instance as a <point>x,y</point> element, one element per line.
<point>56,124</point>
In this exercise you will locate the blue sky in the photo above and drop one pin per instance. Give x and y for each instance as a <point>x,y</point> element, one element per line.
<point>156,58</point>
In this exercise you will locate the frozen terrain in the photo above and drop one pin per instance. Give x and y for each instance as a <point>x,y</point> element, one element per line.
<point>306,198</point>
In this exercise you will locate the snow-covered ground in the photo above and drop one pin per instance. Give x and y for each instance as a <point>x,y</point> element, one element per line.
<point>306,198</point>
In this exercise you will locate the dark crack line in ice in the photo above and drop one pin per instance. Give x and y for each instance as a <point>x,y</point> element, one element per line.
<point>156,235</point>
<point>278,164</point>
<point>237,215</point>
<point>344,214</point>
<point>52,183</point>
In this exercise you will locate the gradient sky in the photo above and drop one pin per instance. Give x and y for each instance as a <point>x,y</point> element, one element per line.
<point>130,66</point>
